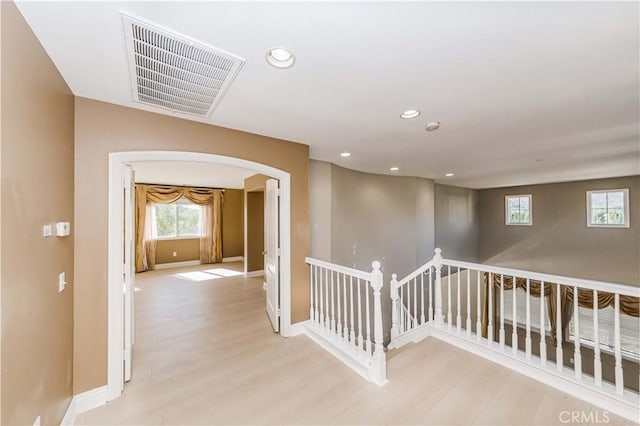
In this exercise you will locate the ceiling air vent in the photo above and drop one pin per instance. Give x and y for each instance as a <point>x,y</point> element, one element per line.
<point>175,73</point>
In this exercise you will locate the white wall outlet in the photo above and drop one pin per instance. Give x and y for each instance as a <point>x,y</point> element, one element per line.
<point>175,253</point>
<point>37,422</point>
<point>62,281</point>
<point>46,230</point>
<point>63,229</point>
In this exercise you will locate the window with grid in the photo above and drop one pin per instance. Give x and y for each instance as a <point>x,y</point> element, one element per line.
<point>608,208</point>
<point>517,209</point>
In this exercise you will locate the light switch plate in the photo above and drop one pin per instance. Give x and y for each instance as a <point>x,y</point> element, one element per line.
<point>46,230</point>
<point>62,281</point>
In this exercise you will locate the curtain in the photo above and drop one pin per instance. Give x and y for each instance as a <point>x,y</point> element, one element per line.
<point>211,239</point>
<point>628,304</point>
<point>150,237</point>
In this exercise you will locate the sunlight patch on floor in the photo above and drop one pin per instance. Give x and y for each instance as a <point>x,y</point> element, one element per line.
<point>224,272</point>
<point>198,276</point>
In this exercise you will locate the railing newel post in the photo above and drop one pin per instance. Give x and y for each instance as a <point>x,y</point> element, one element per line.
<point>395,306</point>
<point>379,359</point>
<point>437,264</point>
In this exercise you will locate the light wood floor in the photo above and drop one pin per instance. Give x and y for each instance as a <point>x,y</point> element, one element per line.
<point>205,354</point>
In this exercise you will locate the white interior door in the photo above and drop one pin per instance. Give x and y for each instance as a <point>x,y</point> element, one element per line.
<point>128,275</point>
<point>272,251</point>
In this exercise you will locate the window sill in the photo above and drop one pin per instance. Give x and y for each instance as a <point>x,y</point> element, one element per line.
<point>182,237</point>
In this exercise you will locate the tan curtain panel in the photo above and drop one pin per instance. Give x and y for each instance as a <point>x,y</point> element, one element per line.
<point>211,239</point>
<point>628,304</point>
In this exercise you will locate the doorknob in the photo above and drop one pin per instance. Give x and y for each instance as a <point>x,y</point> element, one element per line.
<point>264,253</point>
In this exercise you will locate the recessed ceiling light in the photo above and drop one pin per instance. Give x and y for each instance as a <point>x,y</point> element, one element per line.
<point>434,125</point>
<point>345,154</point>
<point>410,113</point>
<point>394,169</point>
<point>448,174</point>
<point>280,58</point>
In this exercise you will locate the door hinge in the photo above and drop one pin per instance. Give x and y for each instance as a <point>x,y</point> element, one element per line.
<point>278,312</point>
<point>277,192</point>
<point>277,252</point>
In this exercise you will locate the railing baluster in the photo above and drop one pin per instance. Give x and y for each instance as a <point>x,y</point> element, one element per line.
<point>430,296</point>
<point>339,315</point>
<point>317,313</point>
<point>326,301</point>
<point>368,318</point>
<point>458,316</point>
<point>345,330</point>
<point>490,315</point>
<point>543,328</point>
<point>352,333</point>
<point>514,315</point>
<point>597,363</point>
<point>559,357</point>
<point>501,311</point>
<point>527,339</point>
<point>577,356</point>
<point>468,302</point>
<point>360,338</point>
<point>449,313</point>
<point>478,311</point>
<point>437,263</point>
<point>408,307</point>
<point>415,302</point>
<point>402,318</point>
<point>422,298</point>
<point>332,324</point>
<point>321,291</point>
<point>311,312</point>
<point>617,348</point>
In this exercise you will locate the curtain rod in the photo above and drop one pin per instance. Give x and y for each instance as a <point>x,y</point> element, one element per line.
<point>179,186</point>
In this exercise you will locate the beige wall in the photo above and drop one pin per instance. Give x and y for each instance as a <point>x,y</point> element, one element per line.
<point>185,249</point>
<point>457,222</point>
<point>233,223</point>
<point>320,209</point>
<point>37,189</point>
<point>102,128</point>
<point>559,242</point>
<point>255,231</point>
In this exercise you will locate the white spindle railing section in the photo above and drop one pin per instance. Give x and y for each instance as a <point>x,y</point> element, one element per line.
<point>475,283</point>
<point>346,312</point>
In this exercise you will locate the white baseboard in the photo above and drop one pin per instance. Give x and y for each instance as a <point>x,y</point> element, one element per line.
<point>625,406</point>
<point>83,402</point>
<point>252,274</point>
<point>232,259</point>
<point>297,328</point>
<point>177,264</point>
<point>310,331</point>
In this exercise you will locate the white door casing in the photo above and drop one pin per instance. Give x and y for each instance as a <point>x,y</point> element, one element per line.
<point>271,252</point>
<point>117,164</point>
<point>129,268</point>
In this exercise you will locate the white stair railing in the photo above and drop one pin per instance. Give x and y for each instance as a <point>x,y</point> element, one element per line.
<point>346,316</point>
<point>455,295</point>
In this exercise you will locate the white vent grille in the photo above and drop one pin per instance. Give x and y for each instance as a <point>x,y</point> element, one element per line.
<point>175,73</point>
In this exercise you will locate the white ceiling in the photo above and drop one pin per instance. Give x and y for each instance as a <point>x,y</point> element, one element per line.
<point>184,173</point>
<point>526,92</point>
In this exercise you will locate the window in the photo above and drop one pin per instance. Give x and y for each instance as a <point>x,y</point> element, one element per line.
<point>178,220</point>
<point>608,208</point>
<point>629,331</point>
<point>521,309</point>
<point>517,209</point>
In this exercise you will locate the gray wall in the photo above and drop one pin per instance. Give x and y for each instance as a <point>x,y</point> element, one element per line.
<point>320,209</point>
<point>357,218</point>
<point>457,222</point>
<point>559,241</point>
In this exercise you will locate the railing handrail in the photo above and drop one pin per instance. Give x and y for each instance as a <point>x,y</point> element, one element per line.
<point>414,274</point>
<point>622,289</point>
<point>339,268</point>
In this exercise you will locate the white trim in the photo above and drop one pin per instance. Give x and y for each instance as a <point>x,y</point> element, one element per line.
<point>252,274</point>
<point>506,210</point>
<point>177,264</point>
<point>298,328</point>
<point>117,162</point>
<point>232,259</point>
<point>349,361</point>
<point>626,224</point>
<point>606,398</point>
<point>84,402</point>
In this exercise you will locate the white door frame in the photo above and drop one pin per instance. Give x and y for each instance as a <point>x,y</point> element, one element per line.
<point>117,162</point>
